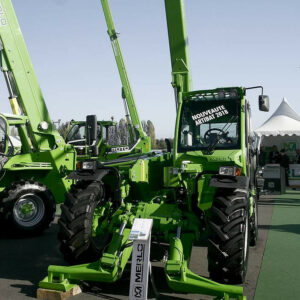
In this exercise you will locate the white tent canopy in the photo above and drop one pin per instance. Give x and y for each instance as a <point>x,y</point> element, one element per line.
<point>284,121</point>
<point>282,130</point>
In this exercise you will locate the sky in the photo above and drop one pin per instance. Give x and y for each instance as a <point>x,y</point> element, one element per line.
<point>232,43</point>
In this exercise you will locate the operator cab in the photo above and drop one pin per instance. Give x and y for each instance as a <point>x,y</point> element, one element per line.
<point>77,134</point>
<point>210,120</point>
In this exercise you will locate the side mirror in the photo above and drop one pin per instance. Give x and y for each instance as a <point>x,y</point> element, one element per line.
<point>91,134</point>
<point>263,102</point>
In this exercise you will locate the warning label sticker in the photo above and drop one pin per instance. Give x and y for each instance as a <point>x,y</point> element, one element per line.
<point>210,114</point>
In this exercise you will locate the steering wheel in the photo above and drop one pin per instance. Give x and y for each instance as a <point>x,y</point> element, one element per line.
<point>221,135</point>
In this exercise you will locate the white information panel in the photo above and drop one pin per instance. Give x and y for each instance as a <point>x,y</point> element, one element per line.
<point>271,171</point>
<point>141,236</point>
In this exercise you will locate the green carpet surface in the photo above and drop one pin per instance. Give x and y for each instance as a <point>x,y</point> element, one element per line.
<point>279,277</point>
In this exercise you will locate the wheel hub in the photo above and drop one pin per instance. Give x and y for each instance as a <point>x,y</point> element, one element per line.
<point>28,210</point>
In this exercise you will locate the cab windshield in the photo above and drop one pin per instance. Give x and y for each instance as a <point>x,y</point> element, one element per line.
<point>209,124</point>
<point>76,135</point>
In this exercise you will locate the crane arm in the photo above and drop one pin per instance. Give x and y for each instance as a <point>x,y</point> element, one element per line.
<point>178,43</point>
<point>135,124</point>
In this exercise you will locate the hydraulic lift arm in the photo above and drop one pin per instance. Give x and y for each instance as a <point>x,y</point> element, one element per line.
<point>24,91</point>
<point>178,43</point>
<point>135,127</point>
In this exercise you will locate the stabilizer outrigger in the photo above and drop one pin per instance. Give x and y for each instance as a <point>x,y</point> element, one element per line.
<point>181,235</point>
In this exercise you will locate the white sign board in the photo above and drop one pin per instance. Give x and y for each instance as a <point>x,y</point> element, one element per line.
<point>271,171</point>
<point>295,171</point>
<point>141,236</point>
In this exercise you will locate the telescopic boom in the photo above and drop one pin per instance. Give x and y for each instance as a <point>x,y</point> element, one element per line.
<point>178,43</point>
<point>135,127</point>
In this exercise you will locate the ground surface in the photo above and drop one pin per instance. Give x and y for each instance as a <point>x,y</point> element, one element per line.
<point>279,274</point>
<point>24,262</point>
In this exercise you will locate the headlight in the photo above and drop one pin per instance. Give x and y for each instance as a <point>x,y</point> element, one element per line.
<point>230,171</point>
<point>88,165</point>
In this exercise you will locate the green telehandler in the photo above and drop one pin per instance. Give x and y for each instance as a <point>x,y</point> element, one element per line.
<point>205,186</point>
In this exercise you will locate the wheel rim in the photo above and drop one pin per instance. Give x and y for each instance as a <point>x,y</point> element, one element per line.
<point>29,210</point>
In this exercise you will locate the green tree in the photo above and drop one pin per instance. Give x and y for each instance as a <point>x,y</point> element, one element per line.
<point>113,136</point>
<point>123,132</point>
<point>145,126</point>
<point>151,133</point>
<point>63,129</point>
<point>162,145</point>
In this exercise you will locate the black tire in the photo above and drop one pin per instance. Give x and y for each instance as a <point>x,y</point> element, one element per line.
<point>28,206</point>
<point>228,245</point>
<point>75,224</point>
<point>254,223</point>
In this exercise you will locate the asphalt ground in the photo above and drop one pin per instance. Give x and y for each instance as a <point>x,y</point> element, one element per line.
<point>24,263</point>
